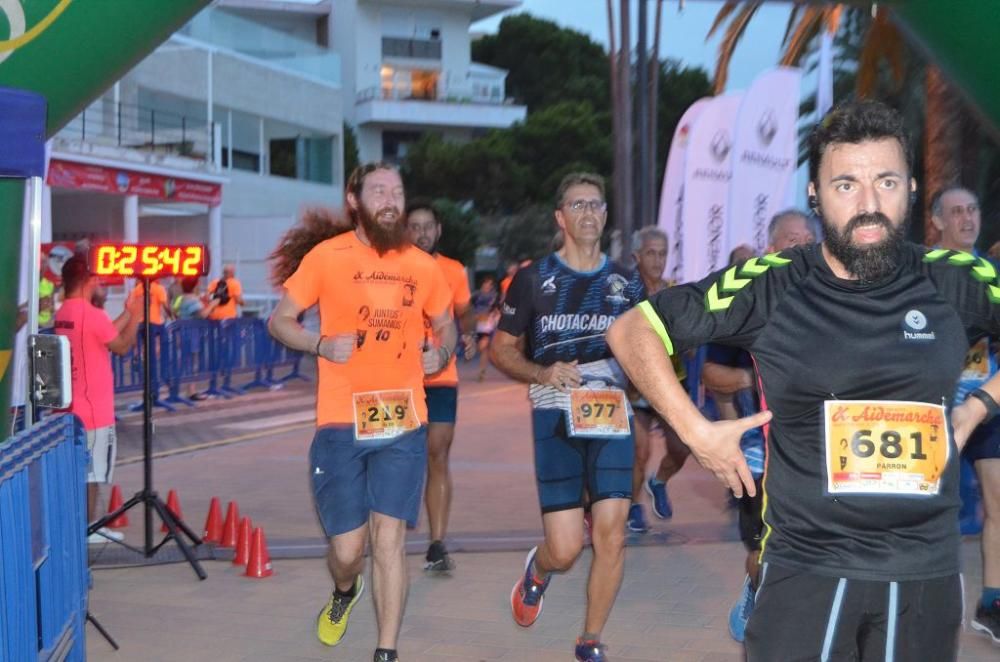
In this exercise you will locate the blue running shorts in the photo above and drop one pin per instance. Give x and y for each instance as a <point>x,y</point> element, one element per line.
<point>442,403</point>
<point>349,481</point>
<point>568,469</point>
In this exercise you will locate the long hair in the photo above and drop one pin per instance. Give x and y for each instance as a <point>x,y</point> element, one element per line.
<point>317,225</point>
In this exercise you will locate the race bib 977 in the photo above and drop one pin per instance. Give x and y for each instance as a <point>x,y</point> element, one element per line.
<point>597,413</point>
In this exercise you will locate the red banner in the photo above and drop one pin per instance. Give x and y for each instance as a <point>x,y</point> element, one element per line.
<point>67,174</point>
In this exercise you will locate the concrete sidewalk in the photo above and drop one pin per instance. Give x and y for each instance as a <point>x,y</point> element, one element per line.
<point>679,583</point>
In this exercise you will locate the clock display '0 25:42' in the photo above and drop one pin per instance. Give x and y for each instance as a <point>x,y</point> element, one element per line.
<point>148,260</point>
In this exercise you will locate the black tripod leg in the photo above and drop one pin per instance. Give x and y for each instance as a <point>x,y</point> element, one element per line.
<point>134,501</point>
<point>168,519</point>
<point>195,540</point>
<point>100,628</point>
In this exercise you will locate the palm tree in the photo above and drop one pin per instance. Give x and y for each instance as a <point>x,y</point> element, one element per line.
<point>621,113</point>
<point>882,43</point>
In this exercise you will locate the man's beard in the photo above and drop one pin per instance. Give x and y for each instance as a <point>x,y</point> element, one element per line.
<point>382,237</point>
<point>869,263</point>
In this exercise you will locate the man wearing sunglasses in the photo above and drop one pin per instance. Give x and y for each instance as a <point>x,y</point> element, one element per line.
<point>551,336</point>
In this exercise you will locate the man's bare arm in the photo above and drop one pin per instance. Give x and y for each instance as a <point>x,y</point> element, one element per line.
<point>507,354</point>
<point>725,379</point>
<point>285,327</point>
<point>642,354</point>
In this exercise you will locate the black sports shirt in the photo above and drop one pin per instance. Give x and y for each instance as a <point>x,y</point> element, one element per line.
<point>819,339</point>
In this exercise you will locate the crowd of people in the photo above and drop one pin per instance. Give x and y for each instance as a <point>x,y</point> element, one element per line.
<point>848,373</point>
<point>832,368</point>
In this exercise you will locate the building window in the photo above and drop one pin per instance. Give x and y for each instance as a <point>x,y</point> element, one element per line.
<point>409,83</point>
<point>241,160</point>
<point>395,144</point>
<point>308,159</point>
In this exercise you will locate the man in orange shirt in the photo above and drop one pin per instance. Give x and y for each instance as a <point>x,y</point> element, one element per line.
<point>442,388</point>
<point>159,307</point>
<point>369,453</point>
<point>228,291</point>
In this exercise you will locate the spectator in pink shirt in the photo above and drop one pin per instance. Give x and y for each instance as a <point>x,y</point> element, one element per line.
<point>91,335</point>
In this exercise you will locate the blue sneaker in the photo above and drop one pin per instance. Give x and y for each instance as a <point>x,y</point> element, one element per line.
<point>637,519</point>
<point>661,502</point>
<point>740,613</point>
<point>591,651</point>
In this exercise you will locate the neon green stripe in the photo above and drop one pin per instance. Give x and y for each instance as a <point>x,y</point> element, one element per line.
<point>657,324</point>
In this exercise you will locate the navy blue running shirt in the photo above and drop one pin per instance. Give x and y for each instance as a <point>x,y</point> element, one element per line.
<point>822,345</point>
<point>565,314</point>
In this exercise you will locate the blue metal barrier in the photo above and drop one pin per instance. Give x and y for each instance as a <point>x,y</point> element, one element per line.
<point>282,357</point>
<point>44,576</point>
<point>188,351</point>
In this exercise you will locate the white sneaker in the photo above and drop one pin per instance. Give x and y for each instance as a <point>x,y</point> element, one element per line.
<point>103,535</point>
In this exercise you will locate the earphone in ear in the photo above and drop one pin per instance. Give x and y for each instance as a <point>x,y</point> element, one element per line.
<point>813,202</point>
<point>913,198</point>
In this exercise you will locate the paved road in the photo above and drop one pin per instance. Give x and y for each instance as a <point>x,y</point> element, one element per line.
<point>679,583</point>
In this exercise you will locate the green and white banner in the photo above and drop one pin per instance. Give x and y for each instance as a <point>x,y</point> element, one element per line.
<point>70,52</point>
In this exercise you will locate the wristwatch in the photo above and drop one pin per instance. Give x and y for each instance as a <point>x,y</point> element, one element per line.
<point>992,408</point>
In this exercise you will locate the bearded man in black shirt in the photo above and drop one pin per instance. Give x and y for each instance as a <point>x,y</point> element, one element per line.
<point>858,343</point>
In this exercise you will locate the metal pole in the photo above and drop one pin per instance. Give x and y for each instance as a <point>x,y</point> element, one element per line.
<point>33,190</point>
<point>642,93</point>
<point>147,418</point>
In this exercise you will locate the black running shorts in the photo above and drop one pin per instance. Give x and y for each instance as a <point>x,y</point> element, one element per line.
<point>801,616</point>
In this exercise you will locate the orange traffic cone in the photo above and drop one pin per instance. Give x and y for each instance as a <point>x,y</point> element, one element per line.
<point>259,565</point>
<point>242,555</point>
<point>229,528</point>
<point>213,524</point>
<point>174,506</point>
<point>114,503</point>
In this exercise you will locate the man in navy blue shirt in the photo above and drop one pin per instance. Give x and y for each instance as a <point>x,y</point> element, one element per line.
<point>551,336</point>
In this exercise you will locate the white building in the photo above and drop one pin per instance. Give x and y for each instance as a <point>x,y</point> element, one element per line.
<point>225,132</point>
<point>221,137</point>
<point>407,67</point>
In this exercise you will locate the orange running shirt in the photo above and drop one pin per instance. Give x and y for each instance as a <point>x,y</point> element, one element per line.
<point>228,310</point>
<point>458,284</point>
<point>505,285</point>
<point>157,299</point>
<point>383,300</point>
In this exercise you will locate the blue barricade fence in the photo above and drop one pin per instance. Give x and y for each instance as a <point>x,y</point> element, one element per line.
<point>43,573</point>
<point>219,353</point>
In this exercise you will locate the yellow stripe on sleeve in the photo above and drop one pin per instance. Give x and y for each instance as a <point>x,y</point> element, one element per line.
<point>654,320</point>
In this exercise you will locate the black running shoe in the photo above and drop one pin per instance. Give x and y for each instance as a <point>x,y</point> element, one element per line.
<point>987,621</point>
<point>438,560</point>
<point>383,655</point>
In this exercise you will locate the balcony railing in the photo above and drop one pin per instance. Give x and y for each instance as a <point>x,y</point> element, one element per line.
<point>449,96</point>
<point>425,49</point>
<point>144,129</point>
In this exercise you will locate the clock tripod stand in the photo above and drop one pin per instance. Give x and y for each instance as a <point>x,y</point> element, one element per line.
<point>147,497</point>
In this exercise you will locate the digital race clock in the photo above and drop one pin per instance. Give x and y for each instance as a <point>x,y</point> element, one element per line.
<point>148,260</point>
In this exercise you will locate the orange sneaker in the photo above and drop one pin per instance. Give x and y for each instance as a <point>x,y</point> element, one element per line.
<point>526,597</point>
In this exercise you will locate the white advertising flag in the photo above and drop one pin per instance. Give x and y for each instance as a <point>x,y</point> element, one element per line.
<point>707,175</point>
<point>765,156</point>
<point>672,192</point>
<point>824,88</point>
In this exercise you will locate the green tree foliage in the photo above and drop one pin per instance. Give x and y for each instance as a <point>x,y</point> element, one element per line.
<point>460,233</point>
<point>510,175</point>
<point>526,234</point>
<point>546,63</point>
<point>351,158</point>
